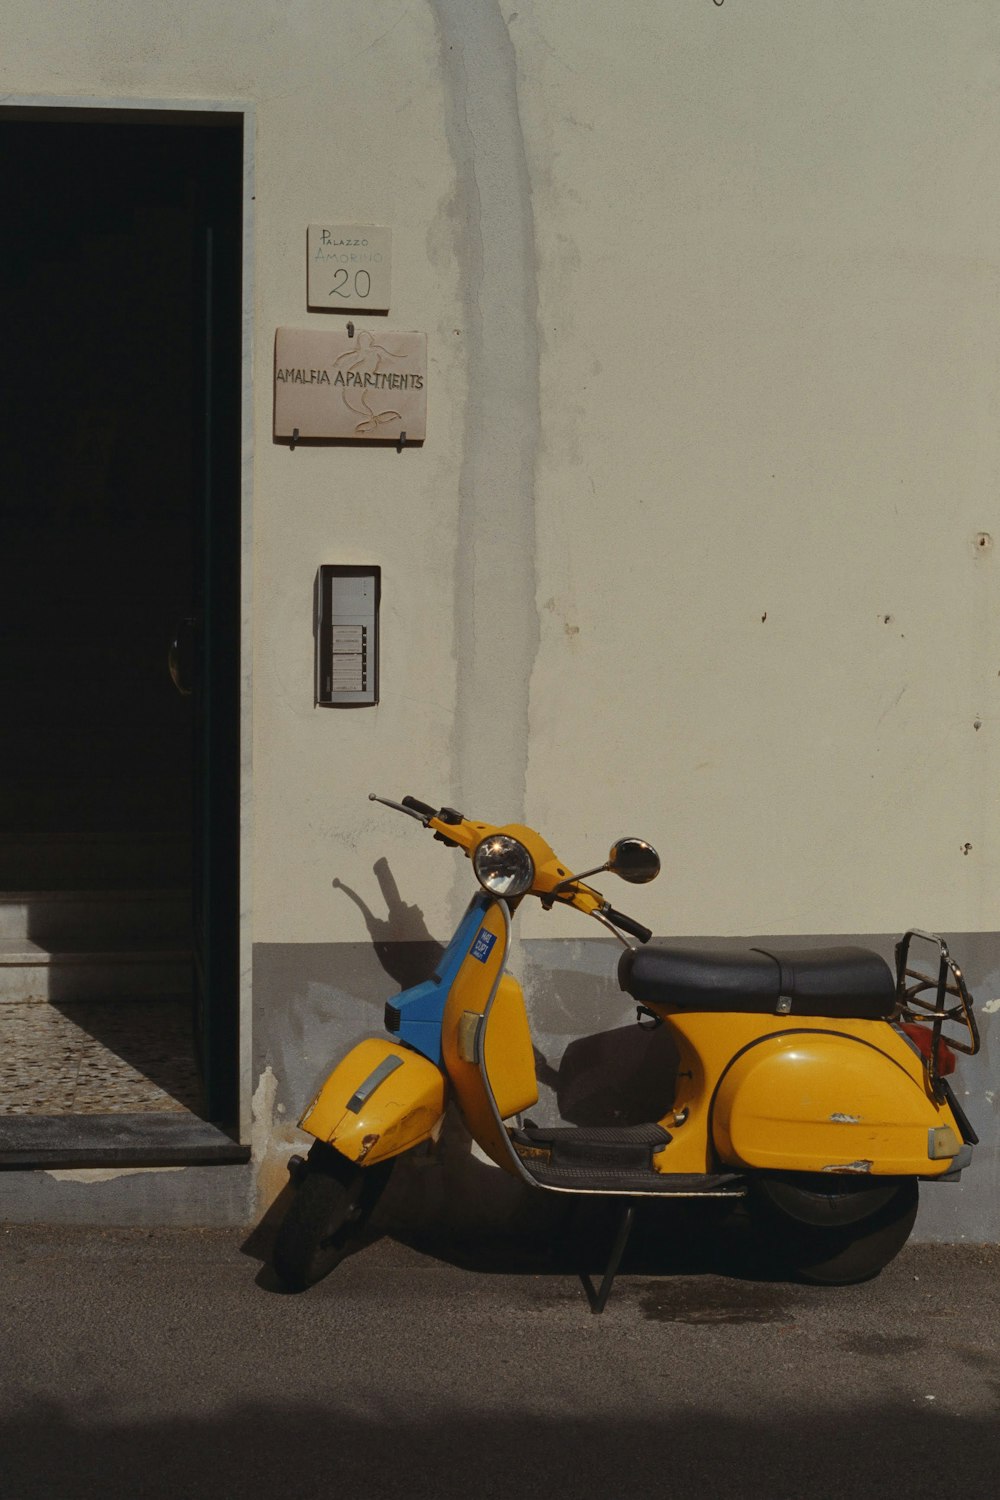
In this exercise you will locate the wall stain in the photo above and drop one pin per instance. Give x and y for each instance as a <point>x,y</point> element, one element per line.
<point>492,228</point>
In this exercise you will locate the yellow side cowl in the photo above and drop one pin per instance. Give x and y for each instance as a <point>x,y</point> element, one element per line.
<point>817,1102</point>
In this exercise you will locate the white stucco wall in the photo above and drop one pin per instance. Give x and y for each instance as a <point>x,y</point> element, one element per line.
<point>768,266</point>
<point>711,297</point>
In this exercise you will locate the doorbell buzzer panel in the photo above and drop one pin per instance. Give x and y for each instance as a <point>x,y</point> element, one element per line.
<point>347,635</point>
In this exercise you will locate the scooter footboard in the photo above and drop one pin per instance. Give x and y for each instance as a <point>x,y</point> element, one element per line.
<point>823,1102</point>
<point>379,1101</point>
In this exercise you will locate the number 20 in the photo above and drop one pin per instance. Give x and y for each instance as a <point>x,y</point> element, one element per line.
<point>342,284</point>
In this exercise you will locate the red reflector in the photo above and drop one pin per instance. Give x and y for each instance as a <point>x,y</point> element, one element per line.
<point>921,1037</point>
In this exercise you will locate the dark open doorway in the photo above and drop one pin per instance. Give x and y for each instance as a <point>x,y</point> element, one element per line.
<point>120,287</point>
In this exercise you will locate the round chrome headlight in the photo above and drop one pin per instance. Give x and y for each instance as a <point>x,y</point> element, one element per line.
<point>503,866</point>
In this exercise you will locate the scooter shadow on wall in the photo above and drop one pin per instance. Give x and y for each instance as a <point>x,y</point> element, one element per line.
<point>622,1076</point>
<point>403,946</point>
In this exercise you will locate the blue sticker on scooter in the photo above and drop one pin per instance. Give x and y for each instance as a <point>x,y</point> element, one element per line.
<point>483,946</point>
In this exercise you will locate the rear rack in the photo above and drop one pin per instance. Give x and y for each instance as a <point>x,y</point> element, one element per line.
<point>913,1003</point>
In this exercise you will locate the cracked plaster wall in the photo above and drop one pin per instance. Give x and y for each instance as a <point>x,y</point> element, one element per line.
<point>696,539</point>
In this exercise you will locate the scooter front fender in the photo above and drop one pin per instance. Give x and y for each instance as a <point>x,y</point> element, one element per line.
<point>379,1101</point>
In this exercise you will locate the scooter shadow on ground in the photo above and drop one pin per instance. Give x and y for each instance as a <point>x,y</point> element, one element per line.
<point>454,1208</point>
<point>623,1076</point>
<point>548,1234</point>
<point>449,1204</point>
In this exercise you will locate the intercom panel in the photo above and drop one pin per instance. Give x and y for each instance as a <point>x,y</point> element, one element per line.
<point>347,635</point>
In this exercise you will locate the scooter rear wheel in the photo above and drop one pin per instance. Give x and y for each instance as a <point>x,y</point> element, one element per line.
<point>829,1233</point>
<point>333,1198</point>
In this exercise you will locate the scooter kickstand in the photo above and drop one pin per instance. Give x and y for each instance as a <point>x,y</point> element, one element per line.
<point>599,1302</point>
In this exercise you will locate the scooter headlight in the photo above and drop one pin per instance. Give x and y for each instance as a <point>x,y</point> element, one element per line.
<point>503,866</point>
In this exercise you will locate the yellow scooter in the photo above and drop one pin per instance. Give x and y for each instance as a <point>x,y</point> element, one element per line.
<point>810,1083</point>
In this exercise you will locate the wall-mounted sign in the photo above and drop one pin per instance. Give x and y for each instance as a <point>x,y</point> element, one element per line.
<point>338,385</point>
<point>349,267</point>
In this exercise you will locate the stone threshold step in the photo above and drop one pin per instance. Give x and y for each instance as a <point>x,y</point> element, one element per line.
<point>25,954</point>
<point>95,918</point>
<point>30,972</point>
<point>125,1140</point>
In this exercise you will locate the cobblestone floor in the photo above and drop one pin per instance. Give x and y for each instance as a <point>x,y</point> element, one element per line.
<point>97,1057</point>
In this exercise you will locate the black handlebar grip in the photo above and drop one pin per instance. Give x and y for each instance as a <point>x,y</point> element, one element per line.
<point>626,924</point>
<point>420,807</point>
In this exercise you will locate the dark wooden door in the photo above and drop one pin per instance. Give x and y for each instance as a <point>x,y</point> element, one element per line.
<point>120,499</point>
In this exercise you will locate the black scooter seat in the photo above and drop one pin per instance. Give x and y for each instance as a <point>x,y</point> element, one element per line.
<point>841,983</point>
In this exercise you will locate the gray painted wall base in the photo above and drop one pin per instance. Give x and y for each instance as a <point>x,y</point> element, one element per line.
<point>314,1001</point>
<point>594,1065</point>
<point>117,1140</point>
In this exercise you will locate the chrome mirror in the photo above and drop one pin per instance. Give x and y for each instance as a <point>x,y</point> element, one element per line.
<point>634,860</point>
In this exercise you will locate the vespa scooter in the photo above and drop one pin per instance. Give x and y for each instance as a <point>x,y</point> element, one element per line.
<point>810,1083</point>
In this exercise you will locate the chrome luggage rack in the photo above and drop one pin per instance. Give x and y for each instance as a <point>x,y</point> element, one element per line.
<point>951,1001</point>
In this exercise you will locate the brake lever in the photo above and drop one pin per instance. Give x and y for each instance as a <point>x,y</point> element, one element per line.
<point>409,811</point>
<point>599,917</point>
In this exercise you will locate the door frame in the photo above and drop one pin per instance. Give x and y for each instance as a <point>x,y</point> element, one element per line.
<point>92,110</point>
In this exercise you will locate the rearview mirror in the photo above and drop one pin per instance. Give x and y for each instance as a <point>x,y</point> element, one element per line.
<point>634,860</point>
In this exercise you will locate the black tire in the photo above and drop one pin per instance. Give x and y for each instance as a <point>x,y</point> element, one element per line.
<point>333,1198</point>
<point>830,1232</point>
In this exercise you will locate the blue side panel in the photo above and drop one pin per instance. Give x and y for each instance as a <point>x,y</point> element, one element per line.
<point>421,1008</point>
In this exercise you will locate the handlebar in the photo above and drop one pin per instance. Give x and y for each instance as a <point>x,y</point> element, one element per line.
<point>635,929</point>
<point>420,807</point>
<point>551,883</point>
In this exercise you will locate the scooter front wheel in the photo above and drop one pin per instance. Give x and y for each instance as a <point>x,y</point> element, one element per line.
<point>829,1232</point>
<point>332,1201</point>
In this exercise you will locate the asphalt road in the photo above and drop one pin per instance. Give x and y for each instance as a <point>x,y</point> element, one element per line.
<point>167,1363</point>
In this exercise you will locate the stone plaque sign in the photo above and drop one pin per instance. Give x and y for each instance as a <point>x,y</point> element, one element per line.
<point>338,385</point>
<point>349,266</point>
